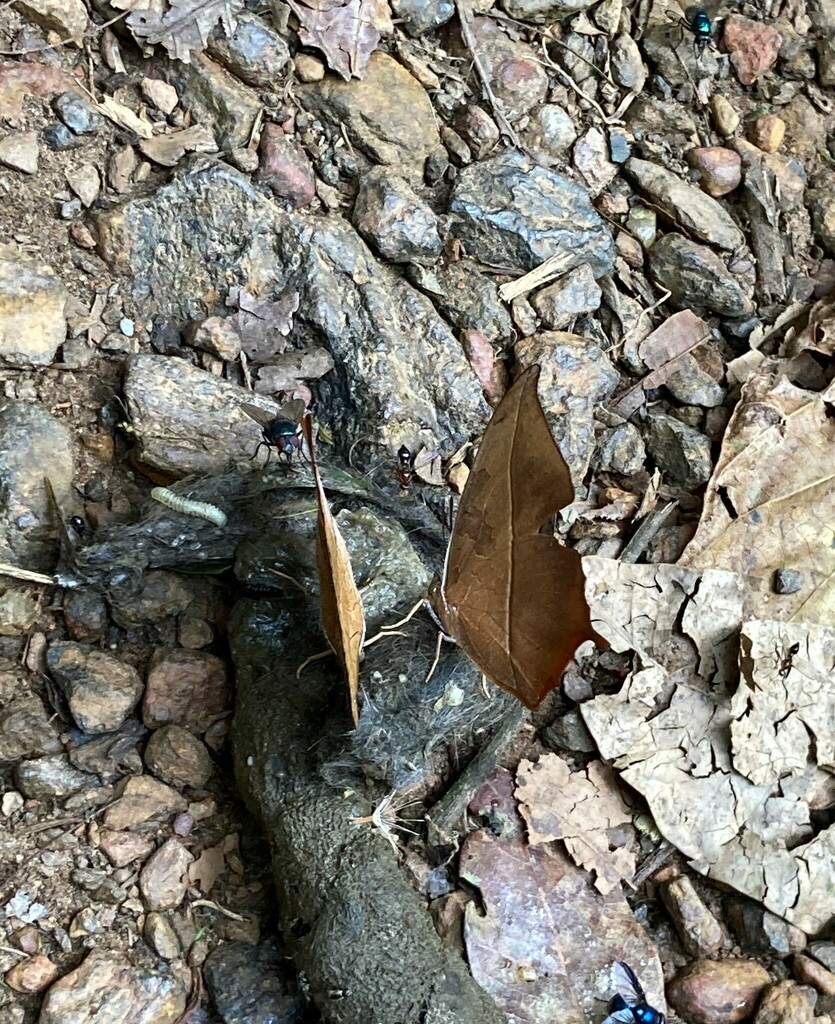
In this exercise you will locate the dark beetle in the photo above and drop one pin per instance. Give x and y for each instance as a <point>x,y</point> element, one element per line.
<point>280,432</point>
<point>630,1005</point>
<point>697,20</point>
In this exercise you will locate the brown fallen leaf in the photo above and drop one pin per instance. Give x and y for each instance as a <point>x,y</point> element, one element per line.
<point>343,618</point>
<point>513,597</point>
<point>209,866</point>
<point>168,150</point>
<point>691,730</point>
<point>346,31</point>
<point>664,351</point>
<point>579,808</point>
<point>770,504</point>
<point>541,939</point>
<point>263,324</point>
<point>186,26</point>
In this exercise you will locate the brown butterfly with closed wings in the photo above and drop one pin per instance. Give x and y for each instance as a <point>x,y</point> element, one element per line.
<point>512,597</point>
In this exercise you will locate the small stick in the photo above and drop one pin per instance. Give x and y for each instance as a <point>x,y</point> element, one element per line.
<point>554,266</point>
<point>6,569</point>
<point>649,527</point>
<point>465,18</point>
<point>445,815</point>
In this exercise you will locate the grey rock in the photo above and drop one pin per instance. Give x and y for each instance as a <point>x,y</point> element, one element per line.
<point>569,732</point>
<point>161,936</point>
<point>686,204</point>
<point>85,613</point>
<point>577,375</point>
<point>622,451</point>
<point>559,304</point>
<point>178,758</point>
<point>627,66</point>
<point>214,98</point>
<point>163,880</point>
<point>821,202</point>
<point>77,114</point>
<point>394,221</point>
<point>541,11</point>
<point>421,16</point>
<point>681,452</point>
<point>467,298</point>
<point>100,689</point>
<point>254,52</point>
<point>697,278</point>
<point>824,953</point>
<point>33,445</point>
<point>26,730</point>
<point>669,49</point>
<point>387,114</point>
<point>691,385</point>
<point>19,150</point>
<point>511,213</point>
<point>51,776</point>
<point>478,129</point>
<point>252,985</point>
<point>763,931</point>
<point>551,133</point>
<point>32,322</point>
<point>59,137</point>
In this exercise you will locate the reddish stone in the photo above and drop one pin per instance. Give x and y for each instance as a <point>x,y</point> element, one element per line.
<point>285,167</point>
<point>32,975</point>
<point>752,45</point>
<point>188,688</point>
<point>720,169</point>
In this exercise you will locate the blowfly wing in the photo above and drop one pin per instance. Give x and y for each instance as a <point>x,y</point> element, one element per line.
<point>261,416</point>
<point>293,411</point>
<point>626,983</point>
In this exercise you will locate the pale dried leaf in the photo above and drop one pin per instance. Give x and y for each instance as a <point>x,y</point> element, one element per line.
<point>784,709</point>
<point>168,150</point>
<point>491,372</point>
<point>669,730</point>
<point>819,333</point>
<point>263,324</point>
<point>770,503</point>
<point>209,866</point>
<point>664,351</point>
<point>123,116</point>
<point>346,31</point>
<point>579,808</point>
<point>185,27</point>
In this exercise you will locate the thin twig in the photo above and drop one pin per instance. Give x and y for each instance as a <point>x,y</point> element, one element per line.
<point>607,118</point>
<point>465,18</point>
<point>221,910</point>
<point>448,811</point>
<point>6,569</point>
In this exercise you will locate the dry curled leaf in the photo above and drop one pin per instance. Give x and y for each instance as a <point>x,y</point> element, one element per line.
<point>664,351</point>
<point>770,504</point>
<point>670,730</point>
<point>208,867</point>
<point>579,808</point>
<point>186,25</point>
<point>346,31</point>
<point>343,618</point>
<point>512,597</point>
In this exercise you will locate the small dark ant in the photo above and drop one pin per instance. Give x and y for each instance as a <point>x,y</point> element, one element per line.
<point>405,466</point>
<point>785,663</point>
